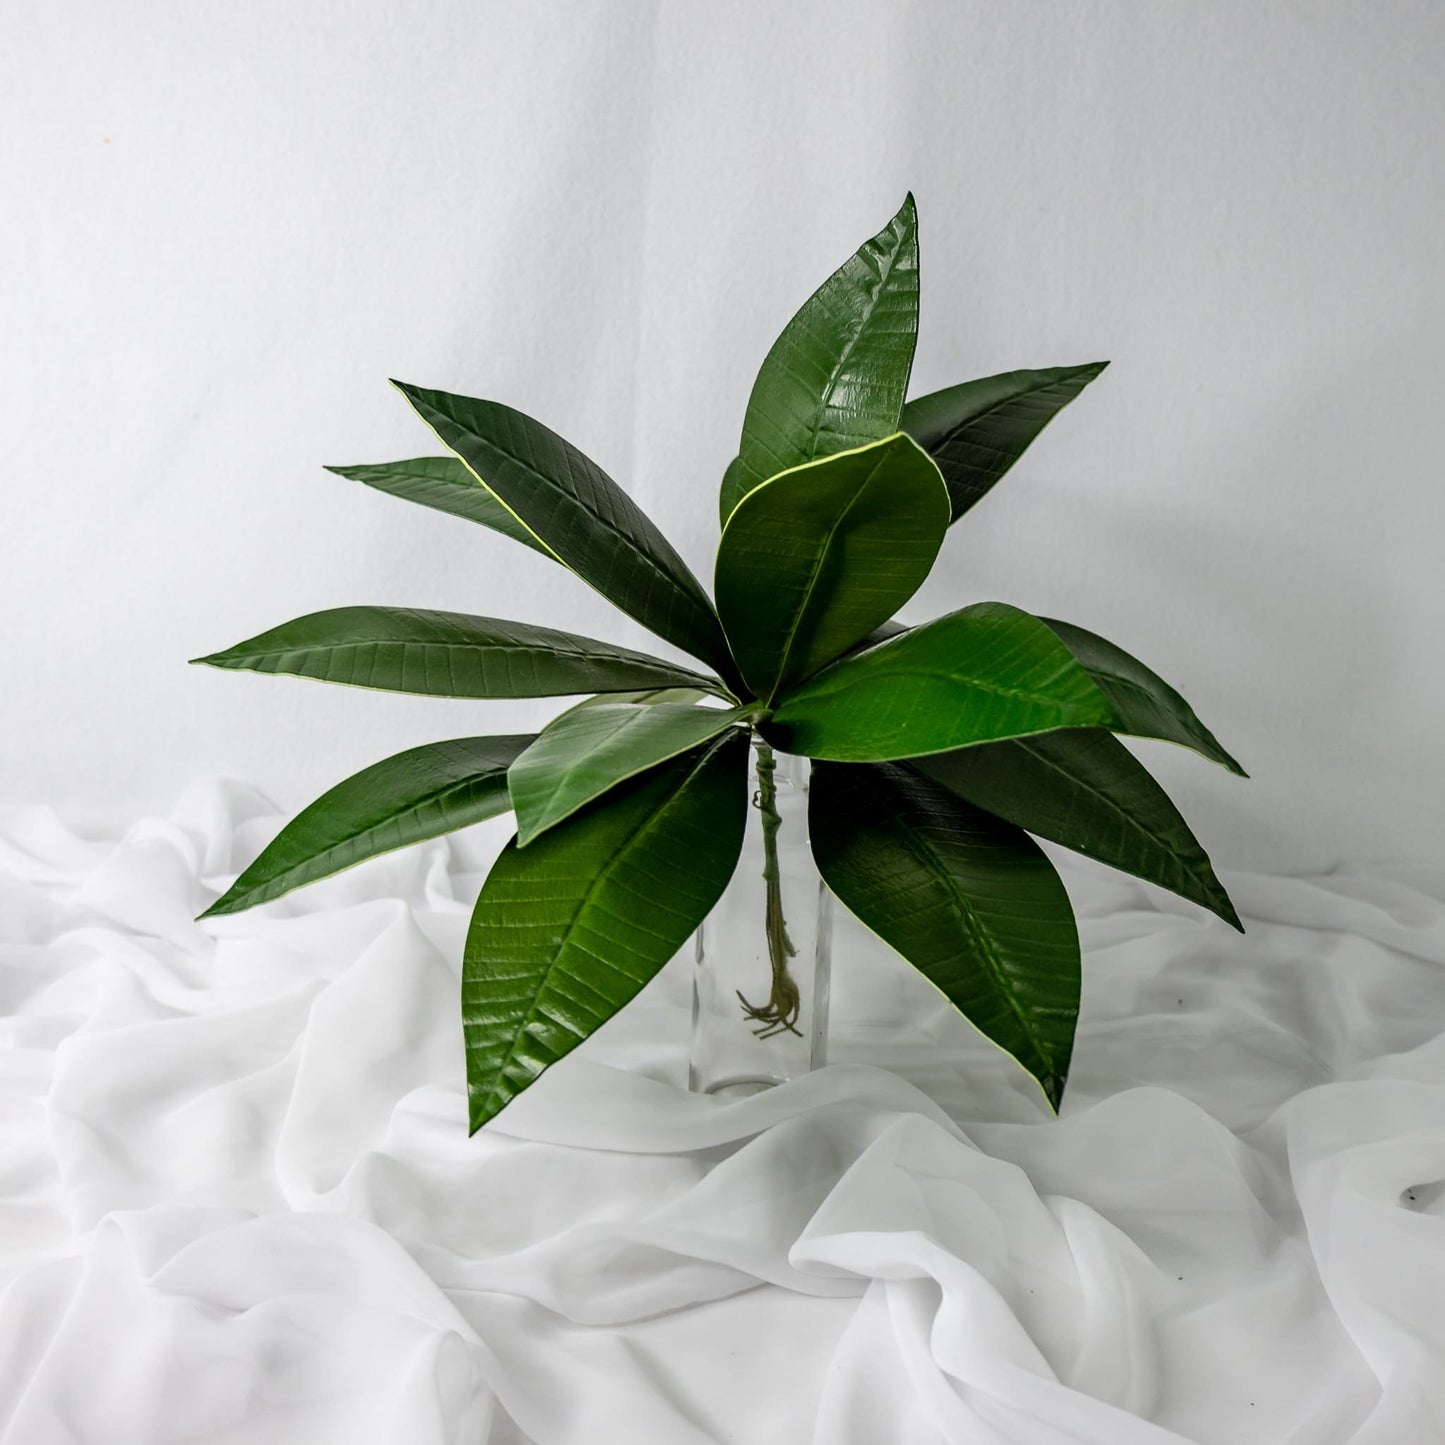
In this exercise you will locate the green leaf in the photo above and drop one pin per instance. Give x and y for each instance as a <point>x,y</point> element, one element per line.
<point>816,558</point>
<point>730,492</point>
<point>587,752</point>
<point>969,900</point>
<point>837,376</point>
<point>582,516</point>
<point>1081,787</point>
<point>648,695</point>
<point>419,794</point>
<point>977,675</point>
<point>881,633</point>
<point>448,654</point>
<point>567,932</point>
<point>977,431</point>
<point>445,485</point>
<point>1146,705</point>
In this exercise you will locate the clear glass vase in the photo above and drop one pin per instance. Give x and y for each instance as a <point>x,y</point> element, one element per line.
<point>762,957</point>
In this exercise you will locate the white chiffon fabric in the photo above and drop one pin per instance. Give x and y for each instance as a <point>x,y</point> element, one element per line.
<point>239,1203</point>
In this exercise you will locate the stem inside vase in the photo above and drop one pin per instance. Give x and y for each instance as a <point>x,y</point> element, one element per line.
<point>784,1003</point>
<point>772,922</point>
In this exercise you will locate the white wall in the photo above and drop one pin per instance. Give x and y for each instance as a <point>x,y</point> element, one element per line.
<point>226,226</point>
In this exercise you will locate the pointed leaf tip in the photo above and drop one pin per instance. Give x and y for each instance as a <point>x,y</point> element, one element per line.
<point>589,523</point>
<point>837,375</point>
<point>418,794</point>
<point>977,430</point>
<point>445,484</point>
<point>449,654</point>
<point>1081,788</point>
<point>968,899</point>
<point>1146,705</point>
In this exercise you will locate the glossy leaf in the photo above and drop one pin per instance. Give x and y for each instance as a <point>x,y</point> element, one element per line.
<point>419,794</point>
<point>1082,788</point>
<point>445,485</point>
<point>1146,705</point>
<point>986,672</point>
<point>582,516</point>
<point>836,377</point>
<point>588,751</point>
<point>566,932</point>
<point>448,654</point>
<point>977,431</point>
<point>816,558</point>
<point>881,633</point>
<point>730,491</point>
<point>969,900</point>
<point>649,695</point>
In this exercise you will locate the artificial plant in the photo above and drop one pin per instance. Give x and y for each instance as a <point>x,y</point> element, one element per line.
<point>937,749</point>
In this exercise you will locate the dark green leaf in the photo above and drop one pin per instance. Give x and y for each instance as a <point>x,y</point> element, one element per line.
<point>977,431</point>
<point>969,900</point>
<point>1146,705</point>
<point>817,557</point>
<point>588,751</point>
<point>445,485</point>
<point>582,516</point>
<point>837,376</point>
<point>730,492</point>
<point>986,672</point>
<point>1081,787</point>
<point>448,654</point>
<point>649,695</point>
<point>419,794</point>
<point>881,633</point>
<point>567,932</point>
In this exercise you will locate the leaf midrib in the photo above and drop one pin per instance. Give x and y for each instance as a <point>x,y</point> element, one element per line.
<point>996,689</point>
<point>988,411</point>
<point>1114,808</point>
<point>679,588</point>
<point>425,800</point>
<point>987,947</point>
<point>556,644</point>
<point>627,726</point>
<point>887,261</point>
<point>817,571</point>
<point>469,482</point>
<point>542,651</point>
<point>1183,713</point>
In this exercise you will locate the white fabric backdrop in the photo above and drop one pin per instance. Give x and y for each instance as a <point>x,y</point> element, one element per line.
<point>240,1205</point>
<point>226,226</point>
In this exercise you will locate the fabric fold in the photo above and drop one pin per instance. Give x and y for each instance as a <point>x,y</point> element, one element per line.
<point>240,1202</point>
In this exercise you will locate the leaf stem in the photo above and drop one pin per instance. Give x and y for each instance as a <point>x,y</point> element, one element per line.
<point>784,1004</point>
